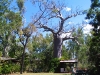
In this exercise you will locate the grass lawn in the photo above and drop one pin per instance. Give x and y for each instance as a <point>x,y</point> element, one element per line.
<point>42,74</point>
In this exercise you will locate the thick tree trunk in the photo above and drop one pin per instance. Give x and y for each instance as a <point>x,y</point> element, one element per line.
<point>57,46</point>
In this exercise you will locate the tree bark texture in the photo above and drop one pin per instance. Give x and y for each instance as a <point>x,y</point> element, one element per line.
<point>57,46</point>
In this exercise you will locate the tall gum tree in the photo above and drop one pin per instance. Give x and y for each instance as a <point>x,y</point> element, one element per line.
<point>53,17</point>
<point>10,21</point>
<point>24,33</point>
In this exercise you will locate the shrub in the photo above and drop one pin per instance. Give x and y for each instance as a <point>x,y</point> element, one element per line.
<point>54,63</point>
<point>9,67</point>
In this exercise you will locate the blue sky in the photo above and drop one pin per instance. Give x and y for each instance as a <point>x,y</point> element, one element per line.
<point>81,4</point>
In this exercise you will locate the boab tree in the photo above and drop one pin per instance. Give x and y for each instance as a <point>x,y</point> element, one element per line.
<point>55,14</point>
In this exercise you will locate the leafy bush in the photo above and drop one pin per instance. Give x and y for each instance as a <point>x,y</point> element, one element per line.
<point>54,63</point>
<point>9,67</point>
<point>5,68</point>
<point>68,69</point>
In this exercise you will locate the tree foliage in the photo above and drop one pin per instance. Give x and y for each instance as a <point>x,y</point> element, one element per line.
<point>94,51</point>
<point>42,52</point>
<point>79,52</point>
<point>10,21</point>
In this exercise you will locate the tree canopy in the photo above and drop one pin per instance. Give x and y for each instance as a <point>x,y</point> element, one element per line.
<point>94,51</point>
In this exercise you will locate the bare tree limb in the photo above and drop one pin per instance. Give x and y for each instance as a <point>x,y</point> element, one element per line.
<point>55,16</point>
<point>73,15</point>
<point>61,26</point>
<point>68,35</point>
<point>46,28</point>
<point>73,39</point>
<point>39,17</point>
<point>21,40</point>
<point>63,20</point>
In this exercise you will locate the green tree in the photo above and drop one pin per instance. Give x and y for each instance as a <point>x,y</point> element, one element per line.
<point>10,21</point>
<point>94,51</point>
<point>16,49</point>
<point>42,51</point>
<point>79,52</point>
<point>24,35</point>
<point>65,54</point>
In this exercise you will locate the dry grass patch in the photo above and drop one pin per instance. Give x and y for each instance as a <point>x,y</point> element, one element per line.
<point>42,74</point>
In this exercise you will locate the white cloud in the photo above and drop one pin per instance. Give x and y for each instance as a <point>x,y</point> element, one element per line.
<point>70,22</point>
<point>67,9</point>
<point>87,28</point>
<point>86,20</point>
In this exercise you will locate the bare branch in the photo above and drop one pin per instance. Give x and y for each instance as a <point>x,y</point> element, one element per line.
<point>73,39</point>
<point>46,28</point>
<point>61,26</point>
<point>59,16</point>
<point>66,38</point>
<point>55,16</point>
<point>21,40</point>
<point>63,20</point>
<point>39,17</point>
<point>73,15</point>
